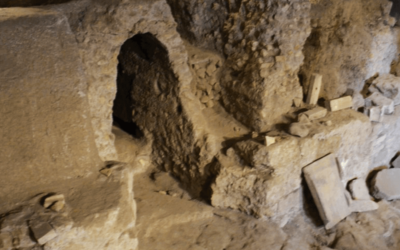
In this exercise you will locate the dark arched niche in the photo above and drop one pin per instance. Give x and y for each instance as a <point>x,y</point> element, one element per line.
<point>140,60</point>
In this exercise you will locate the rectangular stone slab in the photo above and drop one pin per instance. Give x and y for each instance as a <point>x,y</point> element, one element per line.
<point>375,114</point>
<point>43,232</point>
<point>340,103</point>
<point>316,113</point>
<point>314,89</point>
<point>327,190</point>
<point>46,128</point>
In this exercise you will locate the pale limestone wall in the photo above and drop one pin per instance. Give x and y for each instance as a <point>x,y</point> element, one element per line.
<point>45,132</point>
<point>350,42</point>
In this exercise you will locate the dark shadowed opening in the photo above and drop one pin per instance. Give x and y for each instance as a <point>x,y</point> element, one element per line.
<point>395,12</point>
<point>29,3</point>
<point>141,47</point>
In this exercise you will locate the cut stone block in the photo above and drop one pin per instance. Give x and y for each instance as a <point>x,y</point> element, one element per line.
<point>299,129</point>
<point>339,103</point>
<point>269,140</point>
<point>360,206</point>
<point>377,99</point>
<point>43,232</point>
<point>396,162</point>
<point>58,206</point>
<point>327,190</point>
<point>388,85</point>
<point>386,184</point>
<point>314,89</point>
<point>51,200</point>
<point>316,113</point>
<point>375,114</point>
<point>359,190</point>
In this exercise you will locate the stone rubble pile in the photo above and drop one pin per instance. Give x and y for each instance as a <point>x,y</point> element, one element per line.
<point>332,200</point>
<point>207,70</point>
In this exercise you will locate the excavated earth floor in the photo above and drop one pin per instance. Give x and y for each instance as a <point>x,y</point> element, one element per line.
<point>167,218</point>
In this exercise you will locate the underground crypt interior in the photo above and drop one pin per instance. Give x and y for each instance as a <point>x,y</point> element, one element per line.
<point>199,124</point>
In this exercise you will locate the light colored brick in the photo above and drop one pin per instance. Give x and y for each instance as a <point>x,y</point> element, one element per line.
<point>339,103</point>
<point>314,89</point>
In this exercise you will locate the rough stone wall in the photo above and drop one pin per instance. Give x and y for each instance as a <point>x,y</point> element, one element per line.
<point>168,109</point>
<point>350,42</point>
<point>201,22</point>
<point>266,181</point>
<point>263,50</point>
<point>262,42</point>
<point>45,126</point>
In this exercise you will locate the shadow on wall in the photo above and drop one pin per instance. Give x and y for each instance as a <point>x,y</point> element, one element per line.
<point>395,12</point>
<point>29,3</point>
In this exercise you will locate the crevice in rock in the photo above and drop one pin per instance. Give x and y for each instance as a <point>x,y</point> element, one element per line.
<point>311,46</point>
<point>309,207</point>
<point>212,170</point>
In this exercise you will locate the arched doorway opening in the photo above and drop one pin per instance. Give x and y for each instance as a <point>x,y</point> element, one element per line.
<point>136,57</point>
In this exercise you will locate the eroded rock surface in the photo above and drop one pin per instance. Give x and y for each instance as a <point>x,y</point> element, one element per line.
<point>352,37</point>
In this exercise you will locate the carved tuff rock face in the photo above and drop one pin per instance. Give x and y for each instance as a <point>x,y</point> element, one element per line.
<point>199,124</point>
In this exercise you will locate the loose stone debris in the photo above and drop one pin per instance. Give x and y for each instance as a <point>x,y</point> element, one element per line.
<point>299,129</point>
<point>339,103</point>
<point>43,232</point>
<point>314,89</point>
<point>359,190</point>
<point>388,85</point>
<point>269,140</point>
<point>375,114</point>
<point>377,99</point>
<point>386,184</point>
<point>327,190</point>
<point>55,202</point>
